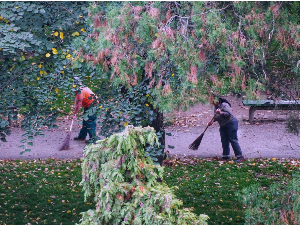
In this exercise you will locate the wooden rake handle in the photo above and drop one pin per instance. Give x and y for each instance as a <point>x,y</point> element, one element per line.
<point>209,121</point>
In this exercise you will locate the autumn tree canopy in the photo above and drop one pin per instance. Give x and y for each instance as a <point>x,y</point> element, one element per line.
<point>142,58</point>
<point>186,49</point>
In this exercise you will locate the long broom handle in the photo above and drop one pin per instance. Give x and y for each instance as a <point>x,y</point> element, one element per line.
<point>207,124</point>
<point>71,125</point>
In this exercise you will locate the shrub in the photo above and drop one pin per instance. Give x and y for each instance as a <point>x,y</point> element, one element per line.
<point>125,183</point>
<point>279,204</point>
<point>292,123</point>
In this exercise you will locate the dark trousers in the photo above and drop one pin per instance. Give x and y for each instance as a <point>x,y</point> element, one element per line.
<point>88,127</point>
<point>228,134</point>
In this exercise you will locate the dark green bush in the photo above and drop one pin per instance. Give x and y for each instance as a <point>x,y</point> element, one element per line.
<point>279,204</point>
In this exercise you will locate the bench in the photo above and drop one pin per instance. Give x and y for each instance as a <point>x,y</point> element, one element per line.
<point>269,105</point>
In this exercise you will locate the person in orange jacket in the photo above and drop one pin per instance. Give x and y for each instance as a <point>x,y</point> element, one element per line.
<point>85,97</point>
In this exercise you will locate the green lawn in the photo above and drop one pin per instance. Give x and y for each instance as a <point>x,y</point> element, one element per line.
<point>211,186</point>
<point>48,191</point>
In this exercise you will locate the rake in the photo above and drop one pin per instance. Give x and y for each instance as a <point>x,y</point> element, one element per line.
<point>197,142</point>
<point>66,144</point>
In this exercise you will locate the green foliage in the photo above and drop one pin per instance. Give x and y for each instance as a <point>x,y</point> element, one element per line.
<point>124,182</point>
<point>35,60</point>
<point>119,107</point>
<point>188,49</point>
<point>278,204</point>
<point>182,50</point>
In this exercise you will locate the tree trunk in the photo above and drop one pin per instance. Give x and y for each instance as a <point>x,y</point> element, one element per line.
<point>158,125</point>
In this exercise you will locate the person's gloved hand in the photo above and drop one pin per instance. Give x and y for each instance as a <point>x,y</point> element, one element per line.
<point>210,123</point>
<point>218,111</point>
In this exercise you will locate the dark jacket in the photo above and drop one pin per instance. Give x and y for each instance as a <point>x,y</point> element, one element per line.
<point>226,115</point>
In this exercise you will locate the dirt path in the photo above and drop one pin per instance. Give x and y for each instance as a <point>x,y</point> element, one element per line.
<point>265,138</point>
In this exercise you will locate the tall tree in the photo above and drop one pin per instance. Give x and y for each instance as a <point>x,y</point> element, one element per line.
<point>181,51</point>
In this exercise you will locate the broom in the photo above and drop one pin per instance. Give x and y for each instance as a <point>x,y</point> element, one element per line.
<point>197,142</point>
<point>66,144</point>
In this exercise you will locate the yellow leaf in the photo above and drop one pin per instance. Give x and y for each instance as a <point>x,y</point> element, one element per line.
<point>61,35</point>
<point>41,72</point>
<point>77,22</point>
<point>56,89</point>
<point>54,51</point>
<point>62,72</point>
<point>48,55</point>
<point>68,56</point>
<point>68,211</point>
<point>82,29</point>
<point>37,78</point>
<point>74,86</point>
<point>56,33</point>
<point>40,66</point>
<point>75,34</point>
<point>125,124</point>
<point>80,16</point>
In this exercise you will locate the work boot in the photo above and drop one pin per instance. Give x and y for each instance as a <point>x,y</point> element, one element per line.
<point>79,139</point>
<point>225,158</point>
<point>92,140</point>
<point>239,159</point>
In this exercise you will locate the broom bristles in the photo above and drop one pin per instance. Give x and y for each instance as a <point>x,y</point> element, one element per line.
<point>196,143</point>
<point>66,144</point>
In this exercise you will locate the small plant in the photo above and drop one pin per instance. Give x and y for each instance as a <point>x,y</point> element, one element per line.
<point>293,123</point>
<point>125,183</point>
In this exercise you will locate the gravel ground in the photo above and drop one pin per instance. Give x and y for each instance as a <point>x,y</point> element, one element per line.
<point>266,138</point>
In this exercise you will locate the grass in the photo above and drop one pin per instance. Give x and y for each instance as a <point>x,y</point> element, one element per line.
<point>211,186</point>
<point>48,191</point>
<point>41,192</point>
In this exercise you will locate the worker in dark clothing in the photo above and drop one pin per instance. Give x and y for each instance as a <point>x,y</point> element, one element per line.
<point>228,128</point>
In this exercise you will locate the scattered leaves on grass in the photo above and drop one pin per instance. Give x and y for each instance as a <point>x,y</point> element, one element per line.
<point>41,191</point>
<point>211,186</point>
